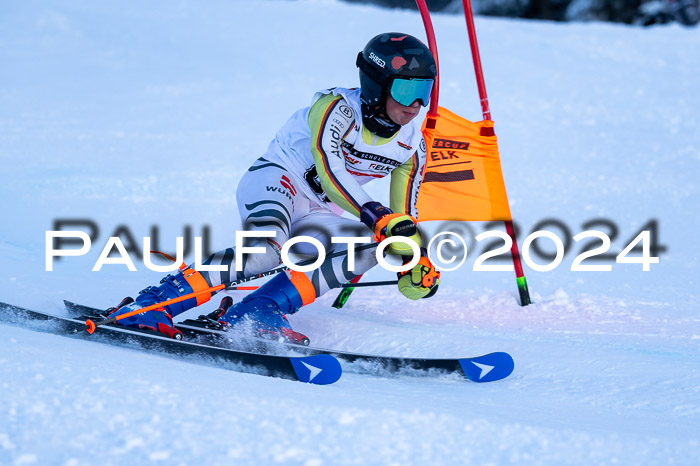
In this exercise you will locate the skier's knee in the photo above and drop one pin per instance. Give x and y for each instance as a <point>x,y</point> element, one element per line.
<point>364,261</point>
<point>260,262</point>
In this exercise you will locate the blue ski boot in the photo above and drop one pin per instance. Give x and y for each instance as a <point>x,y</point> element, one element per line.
<point>266,307</point>
<point>160,320</point>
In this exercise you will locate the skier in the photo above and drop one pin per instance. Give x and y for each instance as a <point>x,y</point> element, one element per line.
<point>312,172</point>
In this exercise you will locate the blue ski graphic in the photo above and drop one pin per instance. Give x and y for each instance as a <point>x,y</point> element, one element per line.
<point>487,368</point>
<point>321,369</point>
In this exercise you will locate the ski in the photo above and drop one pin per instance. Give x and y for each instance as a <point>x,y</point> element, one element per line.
<point>320,369</point>
<point>484,368</point>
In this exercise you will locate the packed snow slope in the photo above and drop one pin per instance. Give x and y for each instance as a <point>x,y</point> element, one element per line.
<point>144,115</point>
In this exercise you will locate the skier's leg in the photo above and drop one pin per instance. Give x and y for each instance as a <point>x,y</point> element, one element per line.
<point>261,209</point>
<point>332,273</point>
<point>288,291</point>
<point>265,309</point>
<point>265,203</point>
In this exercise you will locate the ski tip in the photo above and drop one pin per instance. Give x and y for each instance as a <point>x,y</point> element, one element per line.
<point>321,369</point>
<point>489,367</point>
<point>90,326</point>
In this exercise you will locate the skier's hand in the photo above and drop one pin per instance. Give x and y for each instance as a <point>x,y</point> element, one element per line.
<point>421,281</point>
<point>384,223</point>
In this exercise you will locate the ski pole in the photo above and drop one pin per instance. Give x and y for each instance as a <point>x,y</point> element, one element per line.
<point>351,285</point>
<point>91,325</point>
<point>345,286</point>
<point>345,293</point>
<point>232,285</point>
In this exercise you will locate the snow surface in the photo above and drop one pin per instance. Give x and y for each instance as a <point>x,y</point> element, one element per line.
<point>147,113</point>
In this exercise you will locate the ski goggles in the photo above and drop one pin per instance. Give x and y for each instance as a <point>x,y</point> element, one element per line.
<point>407,90</point>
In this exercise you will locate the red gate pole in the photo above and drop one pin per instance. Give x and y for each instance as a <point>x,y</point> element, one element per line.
<point>515,253</point>
<point>432,45</point>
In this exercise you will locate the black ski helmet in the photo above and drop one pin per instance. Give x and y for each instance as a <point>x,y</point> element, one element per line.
<point>388,56</point>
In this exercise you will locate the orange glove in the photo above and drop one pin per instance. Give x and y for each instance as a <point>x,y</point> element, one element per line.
<point>384,223</point>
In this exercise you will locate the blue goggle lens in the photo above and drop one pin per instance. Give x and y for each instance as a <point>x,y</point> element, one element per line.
<point>406,91</point>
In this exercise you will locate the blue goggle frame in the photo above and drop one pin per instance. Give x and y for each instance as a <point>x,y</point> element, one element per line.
<point>407,90</point>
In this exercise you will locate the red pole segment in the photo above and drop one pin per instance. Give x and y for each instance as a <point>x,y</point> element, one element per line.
<point>432,45</point>
<point>476,57</point>
<point>514,252</point>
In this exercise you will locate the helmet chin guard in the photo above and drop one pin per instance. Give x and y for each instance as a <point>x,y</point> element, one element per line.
<point>377,121</point>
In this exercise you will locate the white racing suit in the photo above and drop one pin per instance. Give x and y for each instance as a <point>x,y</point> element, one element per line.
<point>312,172</point>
